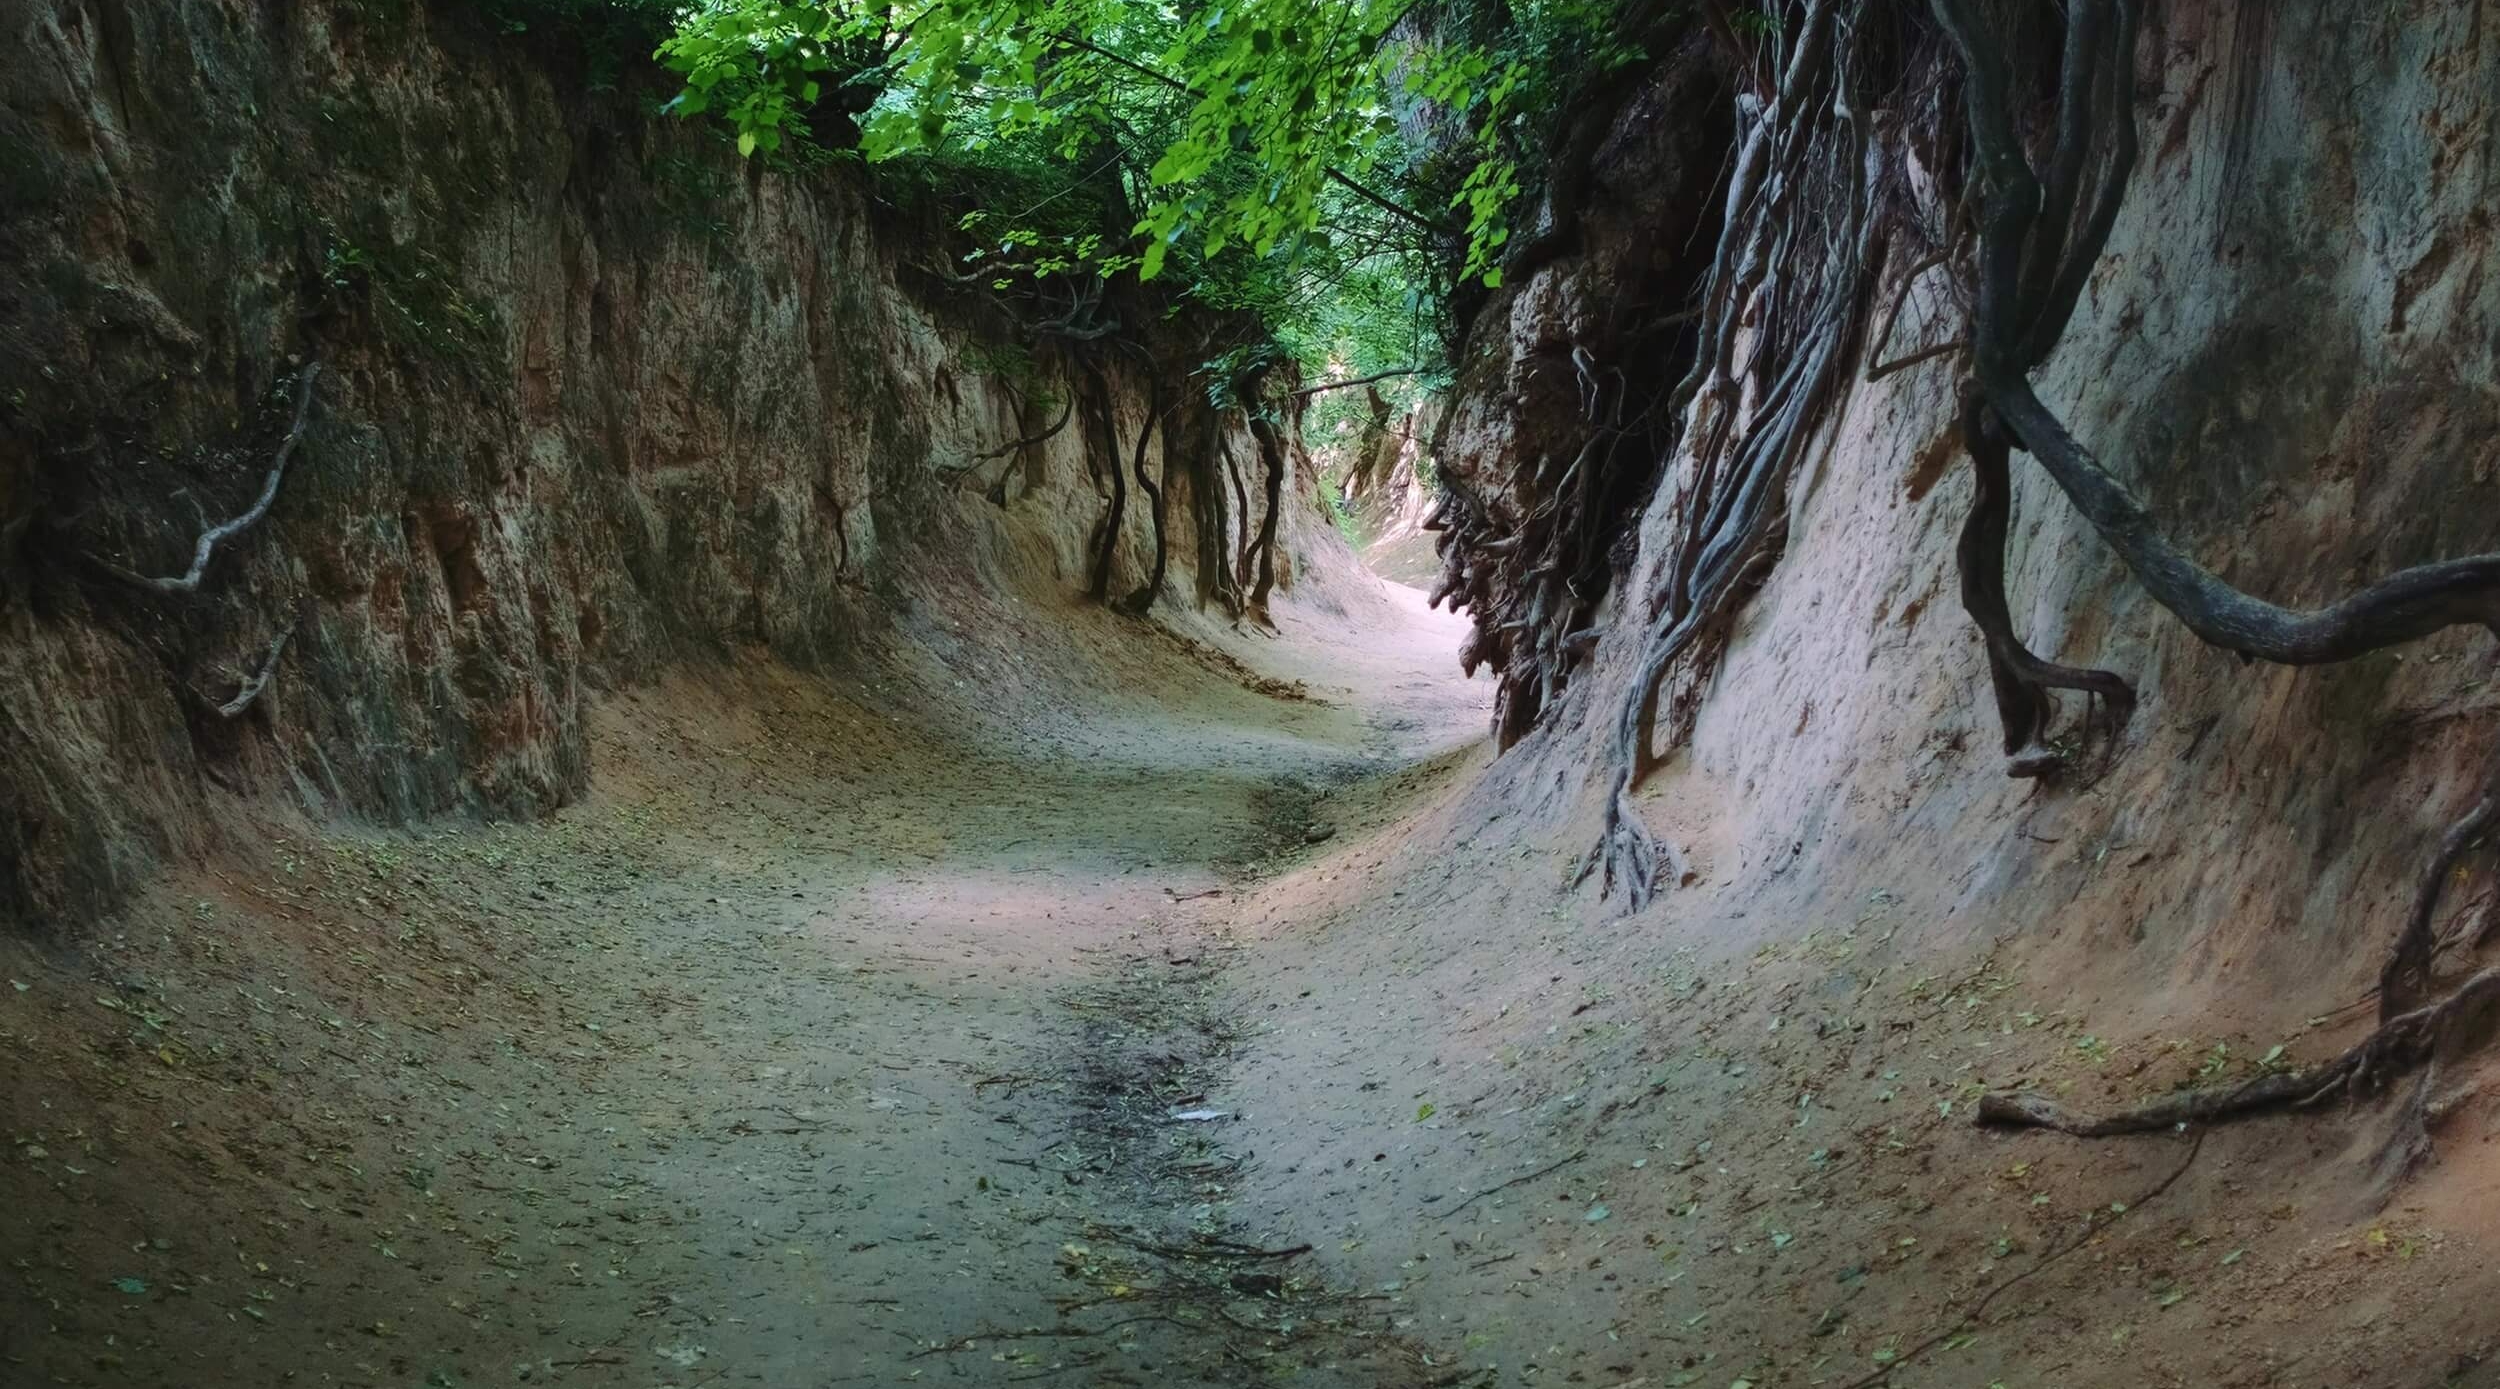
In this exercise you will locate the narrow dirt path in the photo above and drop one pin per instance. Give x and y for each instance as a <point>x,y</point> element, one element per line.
<point>838,1039</point>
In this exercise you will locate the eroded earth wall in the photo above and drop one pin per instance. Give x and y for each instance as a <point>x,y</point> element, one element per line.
<point>2288,349</point>
<point>594,397</point>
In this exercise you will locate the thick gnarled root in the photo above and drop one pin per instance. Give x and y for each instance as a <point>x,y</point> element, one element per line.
<point>1630,863</point>
<point>2399,1047</point>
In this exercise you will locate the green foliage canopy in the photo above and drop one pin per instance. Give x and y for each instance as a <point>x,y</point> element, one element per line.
<point>1244,112</point>
<point>1326,165</point>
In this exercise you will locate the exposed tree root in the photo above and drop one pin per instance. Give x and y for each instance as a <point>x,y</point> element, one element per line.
<point>2039,239</point>
<point>1794,268</point>
<point>1533,552</point>
<point>252,688</point>
<point>1143,599</point>
<point>1067,412</point>
<point>1022,448</point>
<point>1107,445</point>
<point>2032,267</point>
<point>1241,558</point>
<point>205,548</point>
<point>2023,681</point>
<point>2406,976</point>
<point>2395,1049</point>
<point>2408,1036</point>
<point>1272,458</point>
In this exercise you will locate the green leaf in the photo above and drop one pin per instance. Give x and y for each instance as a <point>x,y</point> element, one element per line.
<point>746,143</point>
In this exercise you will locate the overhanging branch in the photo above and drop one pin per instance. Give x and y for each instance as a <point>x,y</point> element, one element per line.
<point>1308,391</point>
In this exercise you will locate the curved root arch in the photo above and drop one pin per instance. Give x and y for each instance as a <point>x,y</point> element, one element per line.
<point>2042,229</point>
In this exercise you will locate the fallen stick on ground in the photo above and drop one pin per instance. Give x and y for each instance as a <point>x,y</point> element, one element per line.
<point>1529,1177</point>
<point>1886,1371</point>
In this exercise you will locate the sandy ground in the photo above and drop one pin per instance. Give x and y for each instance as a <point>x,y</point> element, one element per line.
<point>836,1039</point>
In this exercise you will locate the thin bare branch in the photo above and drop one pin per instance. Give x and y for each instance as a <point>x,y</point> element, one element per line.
<point>206,548</point>
<point>1308,391</point>
<point>252,688</point>
<point>1877,369</point>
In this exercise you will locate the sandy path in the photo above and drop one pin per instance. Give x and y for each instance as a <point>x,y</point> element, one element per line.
<point>834,1032</point>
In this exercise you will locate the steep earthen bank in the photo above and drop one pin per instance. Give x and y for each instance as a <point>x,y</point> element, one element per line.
<point>595,399</point>
<point>1746,1109</point>
<point>2291,350</point>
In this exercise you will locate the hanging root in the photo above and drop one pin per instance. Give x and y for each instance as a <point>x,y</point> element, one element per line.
<point>1106,445</point>
<point>2023,681</point>
<point>1143,599</point>
<point>2037,246</point>
<point>2039,239</point>
<point>205,548</point>
<point>252,688</point>
<point>1272,458</point>
<point>1790,283</point>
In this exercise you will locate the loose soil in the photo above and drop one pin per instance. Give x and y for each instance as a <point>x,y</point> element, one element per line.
<point>837,1038</point>
<point>1056,1004</point>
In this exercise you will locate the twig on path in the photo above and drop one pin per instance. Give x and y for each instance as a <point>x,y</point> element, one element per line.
<point>1252,1251</point>
<point>1885,1372</point>
<point>1061,1369</point>
<point>972,1340</point>
<point>1515,1181</point>
<point>1208,1247</point>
